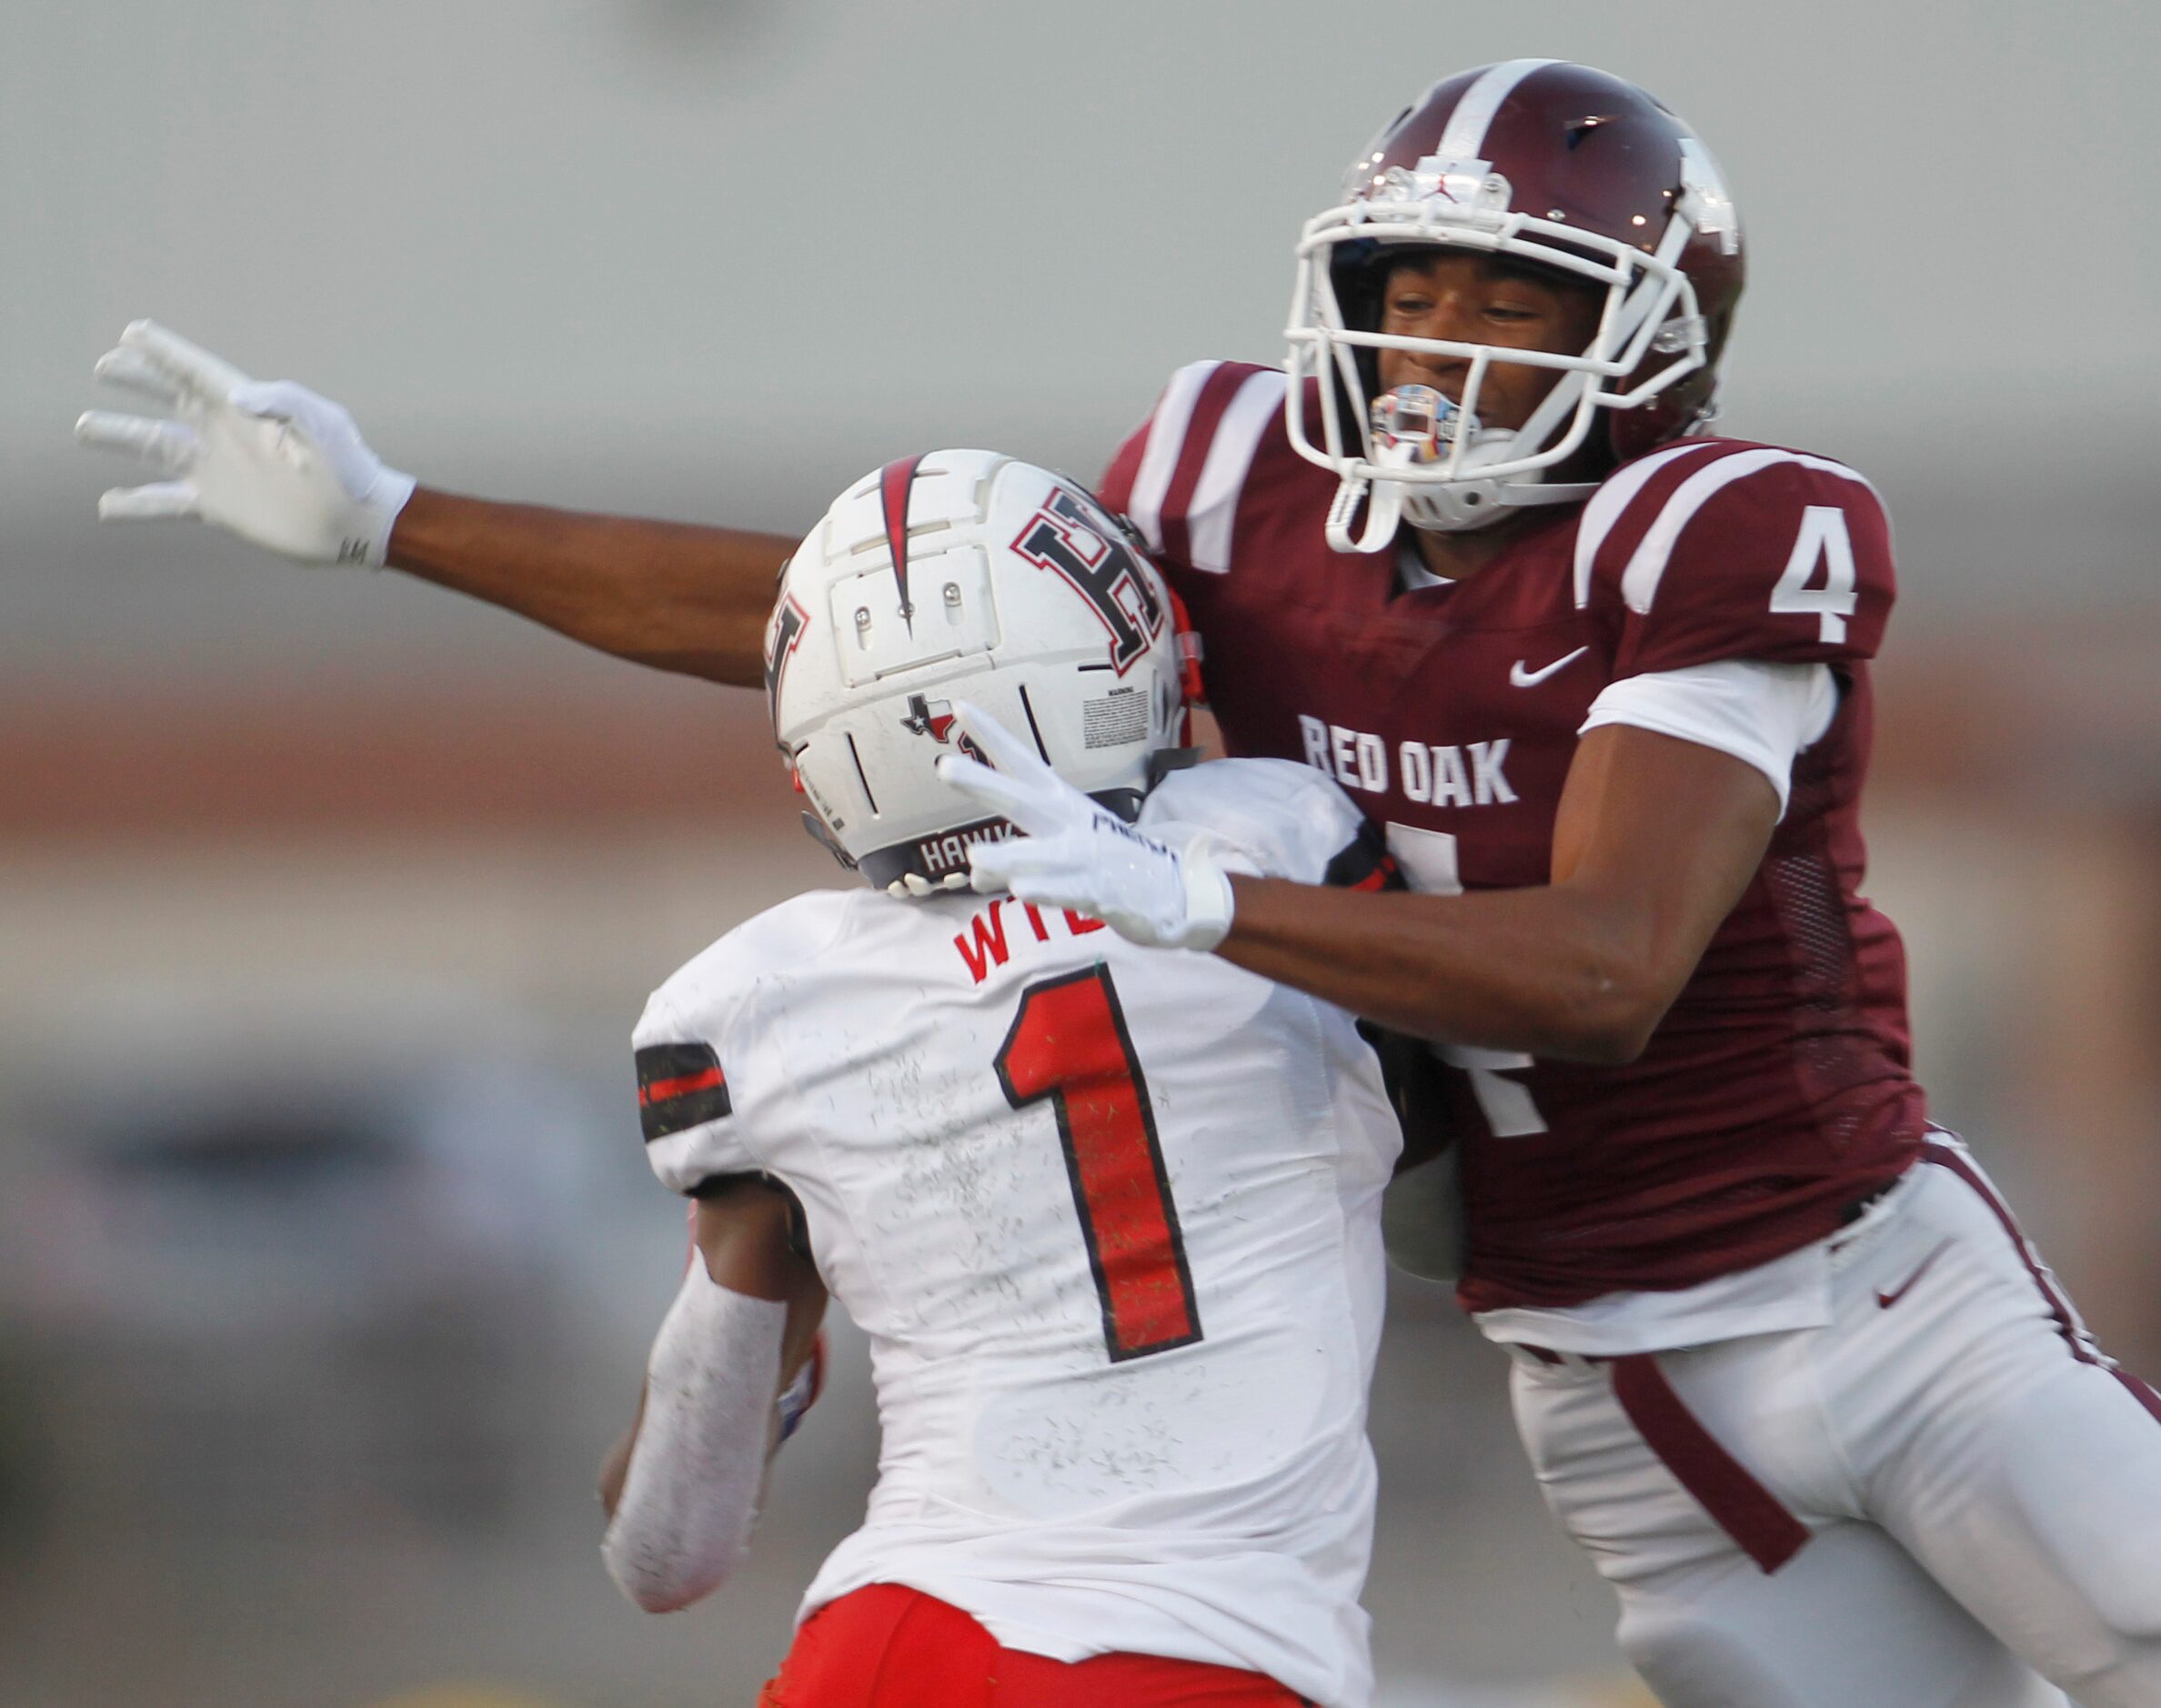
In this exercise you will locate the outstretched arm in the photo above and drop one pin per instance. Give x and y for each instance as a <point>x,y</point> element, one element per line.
<point>673,595</point>
<point>286,469</point>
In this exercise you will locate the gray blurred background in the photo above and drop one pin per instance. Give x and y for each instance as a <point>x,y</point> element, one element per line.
<point>327,1252</point>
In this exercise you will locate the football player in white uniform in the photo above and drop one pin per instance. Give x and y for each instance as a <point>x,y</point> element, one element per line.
<point>1110,1219</point>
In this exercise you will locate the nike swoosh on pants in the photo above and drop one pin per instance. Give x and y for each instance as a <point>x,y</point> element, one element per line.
<point>1886,1299</point>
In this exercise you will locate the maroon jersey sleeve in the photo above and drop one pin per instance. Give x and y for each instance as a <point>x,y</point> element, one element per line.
<point>1180,478</point>
<point>1115,490</point>
<point>1723,550</point>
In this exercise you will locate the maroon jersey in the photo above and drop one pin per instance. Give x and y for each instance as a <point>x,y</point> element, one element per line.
<point>1777,1092</point>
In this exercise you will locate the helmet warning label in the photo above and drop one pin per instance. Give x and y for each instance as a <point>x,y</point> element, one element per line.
<point>1120,717</point>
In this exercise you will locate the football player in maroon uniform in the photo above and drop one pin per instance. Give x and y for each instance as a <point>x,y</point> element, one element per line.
<point>1783,1363</point>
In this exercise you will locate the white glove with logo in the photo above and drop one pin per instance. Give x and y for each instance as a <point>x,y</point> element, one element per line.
<point>266,459</point>
<point>1071,853</point>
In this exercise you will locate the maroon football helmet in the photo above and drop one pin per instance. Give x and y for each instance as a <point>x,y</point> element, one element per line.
<point>1541,162</point>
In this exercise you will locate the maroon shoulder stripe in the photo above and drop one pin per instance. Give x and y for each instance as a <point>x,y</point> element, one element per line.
<point>894,482</point>
<point>1756,1520</point>
<point>1216,392</point>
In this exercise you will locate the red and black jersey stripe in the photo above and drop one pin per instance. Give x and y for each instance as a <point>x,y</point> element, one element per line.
<point>679,1086</point>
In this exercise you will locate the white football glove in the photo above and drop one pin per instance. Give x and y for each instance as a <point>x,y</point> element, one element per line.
<point>1073,853</point>
<point>266,459</point>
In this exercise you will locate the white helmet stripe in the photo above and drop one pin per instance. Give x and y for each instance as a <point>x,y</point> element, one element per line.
<point>1465,139</point>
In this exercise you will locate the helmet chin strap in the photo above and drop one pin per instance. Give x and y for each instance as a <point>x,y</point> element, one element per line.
<point>1453,507</point>
<point>1450,515</point>
<point>1414,426</point>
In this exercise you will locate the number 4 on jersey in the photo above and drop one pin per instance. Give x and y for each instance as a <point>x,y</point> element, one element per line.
<point>1068,1045</point>
<point>1823,539</point>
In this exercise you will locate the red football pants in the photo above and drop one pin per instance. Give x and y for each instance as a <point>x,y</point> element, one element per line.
<point>886,1647</point>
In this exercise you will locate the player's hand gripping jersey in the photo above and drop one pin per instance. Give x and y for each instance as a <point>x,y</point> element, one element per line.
<point>1110,1218</point>
<point>1775,1093</point>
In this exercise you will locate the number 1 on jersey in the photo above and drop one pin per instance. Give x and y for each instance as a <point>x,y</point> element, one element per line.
<point>1068,1045</point>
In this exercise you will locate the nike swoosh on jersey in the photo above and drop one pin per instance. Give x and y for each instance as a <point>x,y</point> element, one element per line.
<point>1886,1299</point>
<point>1520,678</point>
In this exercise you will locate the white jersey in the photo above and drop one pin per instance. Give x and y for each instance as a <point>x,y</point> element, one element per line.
<point>1110,1219</point>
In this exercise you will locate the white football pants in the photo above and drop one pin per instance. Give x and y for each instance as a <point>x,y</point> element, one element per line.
<point>1943,1492</point>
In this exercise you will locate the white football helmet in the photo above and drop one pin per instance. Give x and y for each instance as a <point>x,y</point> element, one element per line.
<point>964,575</point>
